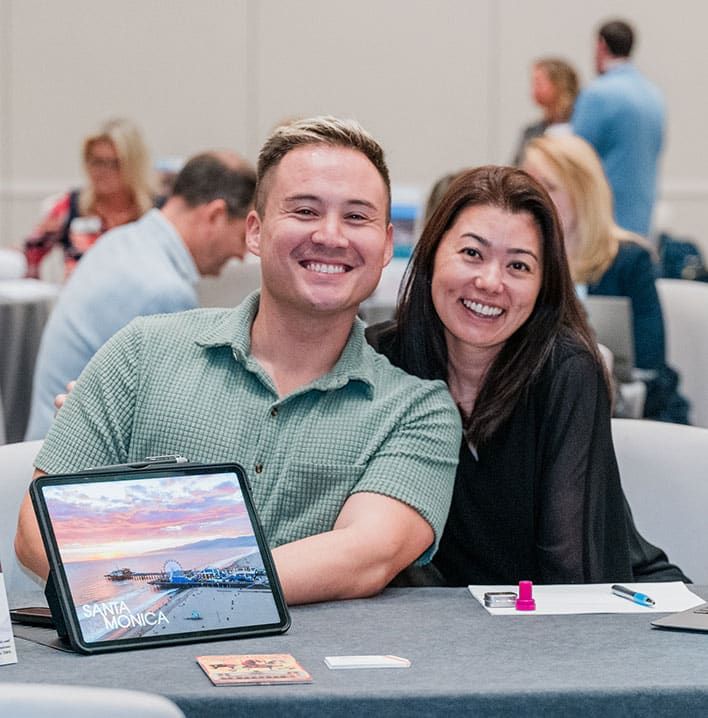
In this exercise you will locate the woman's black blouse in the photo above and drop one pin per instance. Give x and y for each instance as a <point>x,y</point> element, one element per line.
<point>543,500</point>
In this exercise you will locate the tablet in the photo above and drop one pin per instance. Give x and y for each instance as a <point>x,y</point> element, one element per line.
<point>156,555</point>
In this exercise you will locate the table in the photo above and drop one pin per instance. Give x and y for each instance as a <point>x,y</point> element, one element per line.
<point>464,662</point>
<point>25,305</point>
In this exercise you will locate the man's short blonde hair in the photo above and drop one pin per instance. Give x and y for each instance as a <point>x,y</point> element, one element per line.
<point>325,130</point>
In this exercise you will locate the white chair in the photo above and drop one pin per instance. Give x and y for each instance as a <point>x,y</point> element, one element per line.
<point>16,467</point>
<point>685,307</point>
<point>13,264</point>
<point>235,282</point>
<point>38,700</point>
<point>663,470</point>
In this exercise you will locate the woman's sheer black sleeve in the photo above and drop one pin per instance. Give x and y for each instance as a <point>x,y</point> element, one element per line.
<point>582,525</point>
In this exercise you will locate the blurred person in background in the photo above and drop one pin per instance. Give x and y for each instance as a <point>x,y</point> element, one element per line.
<point>554,87</point>
<point>622,115</point>
<point>146,267</point>
<point>119,190</point>
<point>608,260</point>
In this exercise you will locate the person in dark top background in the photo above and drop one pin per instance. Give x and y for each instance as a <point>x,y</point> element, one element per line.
<point>609,260</point>
<point>554,87</point>
<point>489,306</point>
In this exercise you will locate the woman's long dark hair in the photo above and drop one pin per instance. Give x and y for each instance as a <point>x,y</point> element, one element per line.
<point>557,314</point>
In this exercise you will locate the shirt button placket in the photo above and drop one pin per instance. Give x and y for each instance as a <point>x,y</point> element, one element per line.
<point>258,466</point>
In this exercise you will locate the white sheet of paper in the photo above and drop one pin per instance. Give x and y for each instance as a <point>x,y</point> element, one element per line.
<point>670,597</point>
<point>8,654</point>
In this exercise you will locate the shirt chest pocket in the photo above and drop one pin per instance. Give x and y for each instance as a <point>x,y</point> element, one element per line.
<point>307,500</point>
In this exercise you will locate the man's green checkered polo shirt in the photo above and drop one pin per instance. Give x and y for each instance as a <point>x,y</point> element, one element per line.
<point>186,384</point>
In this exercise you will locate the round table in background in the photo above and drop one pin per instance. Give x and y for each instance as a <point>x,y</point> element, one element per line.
<point>25,305</point>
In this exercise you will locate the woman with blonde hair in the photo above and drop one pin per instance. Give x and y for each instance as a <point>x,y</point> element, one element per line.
<point>119,190</point>
<point>608,260</point>
<point>554,87</point>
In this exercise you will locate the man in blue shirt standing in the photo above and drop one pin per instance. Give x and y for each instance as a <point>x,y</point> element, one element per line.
<point>622,115</point>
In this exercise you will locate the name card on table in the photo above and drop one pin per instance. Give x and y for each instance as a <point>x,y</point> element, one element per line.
<point>7,640</point>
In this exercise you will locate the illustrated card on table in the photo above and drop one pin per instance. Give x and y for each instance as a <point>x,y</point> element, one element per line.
<point>257,669</point>
<point>7,640</point>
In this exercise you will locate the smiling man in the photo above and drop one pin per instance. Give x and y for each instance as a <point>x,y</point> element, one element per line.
<point>351,461</point>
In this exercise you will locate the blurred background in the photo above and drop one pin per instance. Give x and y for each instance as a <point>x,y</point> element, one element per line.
<point>441,84</point>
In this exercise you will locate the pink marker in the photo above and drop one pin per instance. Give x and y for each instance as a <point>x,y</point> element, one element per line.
<point>525,601</point>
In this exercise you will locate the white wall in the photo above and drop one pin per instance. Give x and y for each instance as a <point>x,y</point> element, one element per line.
<point>442,83</point>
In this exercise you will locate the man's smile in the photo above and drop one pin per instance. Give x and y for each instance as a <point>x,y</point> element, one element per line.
<point>324,267</point>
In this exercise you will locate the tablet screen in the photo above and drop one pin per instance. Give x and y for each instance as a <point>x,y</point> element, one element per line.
<point>159,555</point>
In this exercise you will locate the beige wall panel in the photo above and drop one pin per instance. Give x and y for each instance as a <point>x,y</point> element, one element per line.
<point>4,128</point>
<point>414,72</point>
<point>20,215</point>
<point>178,68</point>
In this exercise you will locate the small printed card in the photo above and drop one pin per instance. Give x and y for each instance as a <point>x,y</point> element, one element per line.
<point>257,669</point>
<point>337,662</point>
<point>7,640</point>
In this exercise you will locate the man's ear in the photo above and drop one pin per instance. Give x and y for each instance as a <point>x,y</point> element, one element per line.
<point>388,251</point>
<point>216,210</point>
<point>253,232</point>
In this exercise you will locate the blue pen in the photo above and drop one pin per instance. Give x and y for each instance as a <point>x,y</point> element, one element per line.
<point>641,598</point>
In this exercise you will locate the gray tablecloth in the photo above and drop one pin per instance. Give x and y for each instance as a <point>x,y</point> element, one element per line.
<point>464,662</point>
<point>21,325</point>
<point>2,421</point>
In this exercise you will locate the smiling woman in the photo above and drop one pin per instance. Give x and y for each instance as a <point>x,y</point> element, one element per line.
<point>488,305</point>
<point>499,231</point>
<point>486,278</point>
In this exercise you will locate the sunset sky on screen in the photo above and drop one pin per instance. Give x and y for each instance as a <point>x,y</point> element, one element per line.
<point>122,518</point>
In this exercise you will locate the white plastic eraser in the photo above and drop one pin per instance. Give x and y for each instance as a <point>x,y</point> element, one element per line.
<point>336,662</point>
